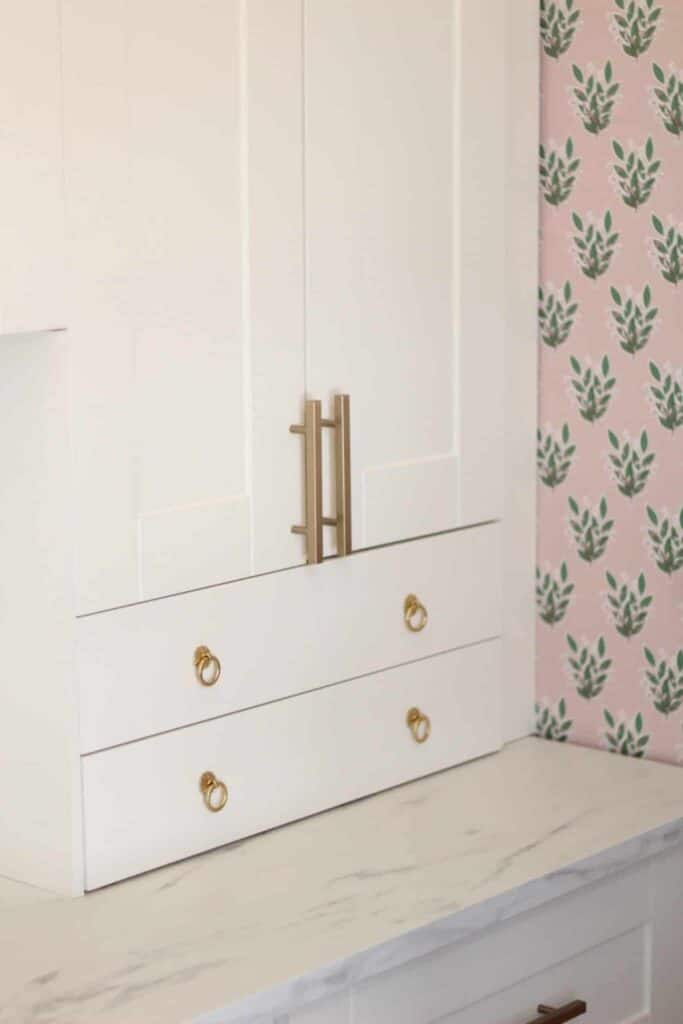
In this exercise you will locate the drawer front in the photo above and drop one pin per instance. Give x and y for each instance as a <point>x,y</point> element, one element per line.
<point>283,634</point>
<point>591,946</point>
<point>143,806</point>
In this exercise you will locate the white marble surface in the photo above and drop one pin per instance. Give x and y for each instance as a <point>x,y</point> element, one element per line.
<point>249,931</point>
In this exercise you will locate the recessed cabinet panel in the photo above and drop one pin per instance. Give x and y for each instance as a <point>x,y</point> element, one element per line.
<point>31,198</point>
<point>187,348</point>
<point>393,132</point>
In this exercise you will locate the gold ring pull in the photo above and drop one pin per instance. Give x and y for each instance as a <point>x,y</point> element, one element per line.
<point>214,791</point>
<point>414,614</point>
<point>419,725</point>
<point>207,667</point>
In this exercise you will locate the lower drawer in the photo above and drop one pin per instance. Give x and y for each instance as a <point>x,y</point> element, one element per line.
<point>143,806</point>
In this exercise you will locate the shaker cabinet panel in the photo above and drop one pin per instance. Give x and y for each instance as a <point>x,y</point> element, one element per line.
<point>402,287</point>
<point>185,291</point>
<point>268,202</point>
<point>31,199</point>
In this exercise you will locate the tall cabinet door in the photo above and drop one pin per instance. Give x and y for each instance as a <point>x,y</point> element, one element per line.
<point>183,170</point>
<point>404,181</point>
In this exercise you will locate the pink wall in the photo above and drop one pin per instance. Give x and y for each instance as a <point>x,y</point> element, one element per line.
<point>610,452</point>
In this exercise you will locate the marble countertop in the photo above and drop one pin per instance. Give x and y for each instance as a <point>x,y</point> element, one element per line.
<point>247,931</point>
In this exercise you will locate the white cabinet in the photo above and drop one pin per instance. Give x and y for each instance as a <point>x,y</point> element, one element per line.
<point>603,946</point>
<point>269,202</point>
<point>263,204</point>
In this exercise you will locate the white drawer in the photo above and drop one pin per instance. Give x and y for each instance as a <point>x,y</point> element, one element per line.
<point>591,946</point>
<point>283,634</point>
<point>142,801</point>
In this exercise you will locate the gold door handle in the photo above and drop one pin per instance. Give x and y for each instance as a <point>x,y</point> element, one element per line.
<point>549,1015</point>
<point>214,791</point>
<point>414,614</point>
<point>311,430</point>
<point>207,667</point>
<point>419,725</point>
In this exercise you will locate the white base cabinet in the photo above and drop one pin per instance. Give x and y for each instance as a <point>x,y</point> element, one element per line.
<point>613,945</point>
<point>238,210</point>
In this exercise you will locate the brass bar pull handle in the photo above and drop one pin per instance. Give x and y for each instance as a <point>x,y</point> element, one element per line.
<point>551,1015</point>
<point>342,417</point>
<point>315,520</point>
<point>313,530</point>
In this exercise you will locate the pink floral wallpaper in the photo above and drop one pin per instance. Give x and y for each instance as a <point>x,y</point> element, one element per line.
<point>609,582</point>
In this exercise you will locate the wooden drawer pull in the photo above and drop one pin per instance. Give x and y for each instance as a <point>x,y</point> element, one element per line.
<point>414,614</point>
<point>214,791</point>
<point>207,667</point>
<point>549,1015</point>
<point>419,725</point>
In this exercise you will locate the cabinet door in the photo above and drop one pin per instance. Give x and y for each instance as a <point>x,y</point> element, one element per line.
<point>404,176</point>
<point>31,198</point>
<point>183,158</point>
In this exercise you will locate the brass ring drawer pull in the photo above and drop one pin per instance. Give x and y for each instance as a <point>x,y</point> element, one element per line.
<point>207,667</point>
<point>214,791</point>
<point>414,614</point>
<point>419,725</point>
<point>550,1015</point>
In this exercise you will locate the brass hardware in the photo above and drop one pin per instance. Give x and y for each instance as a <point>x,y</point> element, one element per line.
<point>315,520</point>
<point>414,614</point>
<point>419,725</point>
<point>313,530</point>
<point>214,791</point>
<point>342,417</point>
<point>549,1015</point>
<point>207,667</point>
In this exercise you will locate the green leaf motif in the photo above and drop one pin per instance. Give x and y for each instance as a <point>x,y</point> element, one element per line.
<point>552,722</point>
<point>594,244</point>
<point>635,25</point>
<point>635,173</point>
<point>556,314</point>
<point>667,94</point>
<point>625,736</point>
<point>554,454</point>
<point>665,538</point>
<point>628,603</point>
<point>594,97</point>
<point>667,248</point>
<point>559,21</point>
<point>553,594</point>
<point>592,387</point>
<point>666,394</point>
<point>664,681</point>
<point>557,171</point>
<point>591,529</point>
<point>633,320</point>
<point>630,462</point>
<point>589,666</point>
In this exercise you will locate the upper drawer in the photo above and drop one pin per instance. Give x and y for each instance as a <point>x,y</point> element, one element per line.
<point>283,634</point>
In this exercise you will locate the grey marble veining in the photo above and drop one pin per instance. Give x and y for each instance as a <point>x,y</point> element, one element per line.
<point>249,932</point>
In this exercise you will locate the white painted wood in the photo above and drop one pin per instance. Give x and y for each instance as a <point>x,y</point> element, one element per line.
<point>185,291</point>
<point>283,633</point>
<point>404,228</point>
<point>522,120</point>
<point>591,945</point>
<point>611,979</point>
<point>284,761</point>
<point>666,875</point>
<point>40,840</point>
<point>31,198</point>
